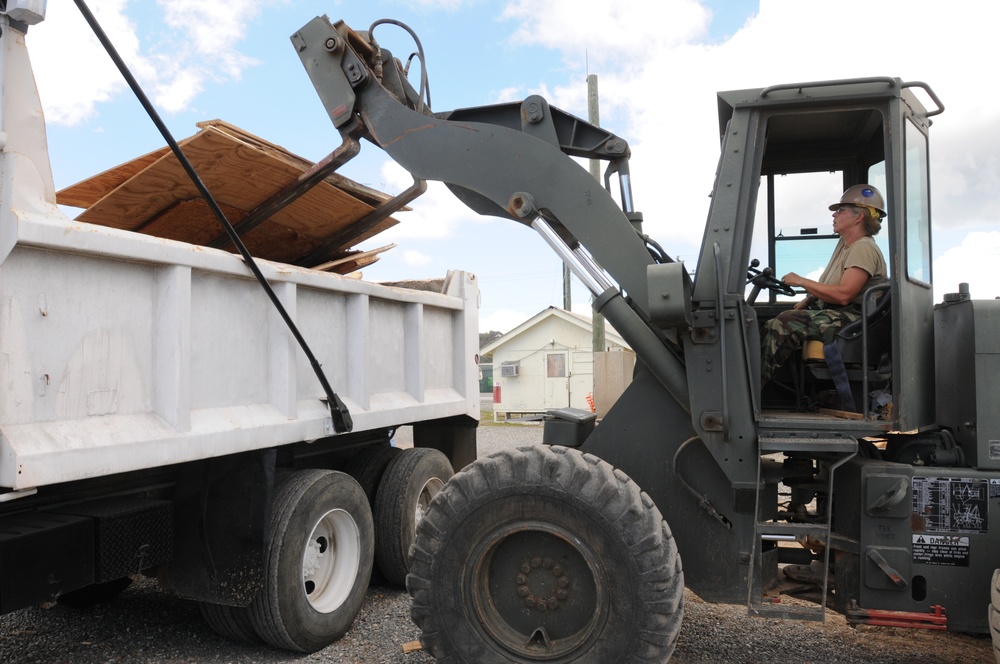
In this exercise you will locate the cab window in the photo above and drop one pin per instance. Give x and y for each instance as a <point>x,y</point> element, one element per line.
<point>809,161</point>
<point>918,227</point>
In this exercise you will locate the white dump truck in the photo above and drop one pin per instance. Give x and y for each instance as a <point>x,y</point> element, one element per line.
<point>158,417</point>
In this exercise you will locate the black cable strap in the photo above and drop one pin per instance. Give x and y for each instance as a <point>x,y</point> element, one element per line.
<point>342,421</point>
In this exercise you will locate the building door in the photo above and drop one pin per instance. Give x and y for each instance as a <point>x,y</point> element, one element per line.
<point>556,381</point>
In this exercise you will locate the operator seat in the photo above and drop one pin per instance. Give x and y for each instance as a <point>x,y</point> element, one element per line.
<point>876,325</point>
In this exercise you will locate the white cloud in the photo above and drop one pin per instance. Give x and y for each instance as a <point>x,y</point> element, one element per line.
<point>74,73</point>
<point>177,93</point>
<point>619,31</point>
<point>503,320</point>
<point>214,29</point>
<point>659,74</point>
<point>436,214</point>
<point>416,258</point>
<point>509,94</point>
<point>447,5</point>
<point>973,262</point>
<point>203,46</point>
<point>72,70</point>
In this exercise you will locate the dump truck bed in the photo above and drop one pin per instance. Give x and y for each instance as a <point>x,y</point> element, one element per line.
<point>121,351</point>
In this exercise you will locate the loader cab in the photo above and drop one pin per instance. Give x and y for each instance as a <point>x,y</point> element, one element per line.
<point>788,153</point>
<point>807,161</point>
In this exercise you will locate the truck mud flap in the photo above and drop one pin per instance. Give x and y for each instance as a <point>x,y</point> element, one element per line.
<point>221,515</point>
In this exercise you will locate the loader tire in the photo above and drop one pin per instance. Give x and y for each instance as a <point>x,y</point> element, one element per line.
<point>410,482</point>
<point>545,554</point>
<point>229,622</point>
<point>994,613</point>
<point>318,561</point>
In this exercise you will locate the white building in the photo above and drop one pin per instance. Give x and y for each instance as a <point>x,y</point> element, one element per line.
<point>547,362</point>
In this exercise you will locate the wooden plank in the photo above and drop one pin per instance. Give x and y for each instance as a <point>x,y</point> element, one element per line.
<point>154,195</point>
<point>353,261</point>
<point>193,221</point>
<point>188,221</point>
<point>86,193</point>
<point>846,414</point>
<point>371,196</point>
<point>237,174</point>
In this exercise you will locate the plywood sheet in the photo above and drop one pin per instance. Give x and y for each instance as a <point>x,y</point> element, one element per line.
<point>354,260</point>
<point>154,195</point>
<point>86,193</point>
<point>367,194</point>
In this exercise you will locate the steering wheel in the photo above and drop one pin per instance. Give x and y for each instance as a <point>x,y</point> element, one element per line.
<point>765,279</point>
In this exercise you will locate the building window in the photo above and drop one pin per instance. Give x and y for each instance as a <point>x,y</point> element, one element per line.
<point>555,365</point>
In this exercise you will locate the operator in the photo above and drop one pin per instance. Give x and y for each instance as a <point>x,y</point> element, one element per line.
<point>835,300</point>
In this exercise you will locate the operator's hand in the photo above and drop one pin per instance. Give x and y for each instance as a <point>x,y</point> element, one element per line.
<point>793,279</point>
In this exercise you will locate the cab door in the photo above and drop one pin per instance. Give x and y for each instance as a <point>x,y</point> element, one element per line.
<point>913,296</point>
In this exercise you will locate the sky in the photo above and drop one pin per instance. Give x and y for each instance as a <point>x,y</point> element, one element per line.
<point>659,65</point>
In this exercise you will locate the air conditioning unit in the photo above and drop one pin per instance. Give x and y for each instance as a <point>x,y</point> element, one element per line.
<point>510,369</point>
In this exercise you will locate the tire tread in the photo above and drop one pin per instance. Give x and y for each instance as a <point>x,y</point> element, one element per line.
<point>266,610</point>
<point>230,622</point>
<point>606,494</point>
<point>395,505</point>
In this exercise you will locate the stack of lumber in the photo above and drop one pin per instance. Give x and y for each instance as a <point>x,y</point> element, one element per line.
<point>152,194</point>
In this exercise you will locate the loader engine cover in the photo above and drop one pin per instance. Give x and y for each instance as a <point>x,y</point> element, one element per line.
<point>923,533</point>
<point>967,366</point>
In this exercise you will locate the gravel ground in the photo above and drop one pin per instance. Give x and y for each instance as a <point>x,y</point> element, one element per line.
<point>147,625</point>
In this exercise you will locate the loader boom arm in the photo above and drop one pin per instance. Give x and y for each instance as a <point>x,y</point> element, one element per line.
<point>499,165</point>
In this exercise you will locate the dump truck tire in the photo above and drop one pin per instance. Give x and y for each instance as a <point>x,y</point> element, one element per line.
<point>410,482</point>
<point>545,554</point>
<point>230,622</point>
<point>369,466</point>
<point>318,562</point>
<point>994,613</point>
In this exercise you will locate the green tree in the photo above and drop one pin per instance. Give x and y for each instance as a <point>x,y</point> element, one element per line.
<point>486,338</point>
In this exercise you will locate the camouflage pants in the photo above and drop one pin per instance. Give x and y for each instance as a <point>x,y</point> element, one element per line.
<point>785,334</point>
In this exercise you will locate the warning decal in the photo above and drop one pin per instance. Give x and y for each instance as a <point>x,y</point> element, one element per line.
<point>995,449</point>
<point>950,550</point>
<point>951,504</point>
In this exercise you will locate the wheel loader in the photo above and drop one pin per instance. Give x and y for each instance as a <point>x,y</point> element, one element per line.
<point>865,488</point>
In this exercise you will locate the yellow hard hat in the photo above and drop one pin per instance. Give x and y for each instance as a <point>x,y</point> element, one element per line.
<point>863,195</point>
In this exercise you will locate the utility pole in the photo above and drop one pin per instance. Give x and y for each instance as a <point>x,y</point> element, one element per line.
<point>594,118</point>
<point>567,296</point>
<point>567,289</point>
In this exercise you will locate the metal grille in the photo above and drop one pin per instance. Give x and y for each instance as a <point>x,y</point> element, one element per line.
<point>130,534</point>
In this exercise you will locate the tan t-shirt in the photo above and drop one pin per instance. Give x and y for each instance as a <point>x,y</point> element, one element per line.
<point>864,254</point>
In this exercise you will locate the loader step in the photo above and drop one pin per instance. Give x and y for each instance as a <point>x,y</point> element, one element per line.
<point>792,442</point>
<point>787,611</point>
<point>793,529</point>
